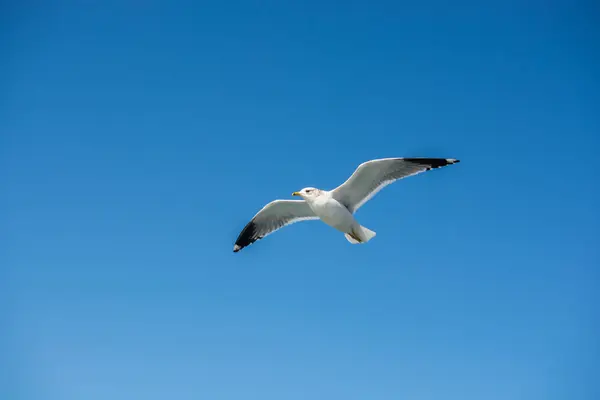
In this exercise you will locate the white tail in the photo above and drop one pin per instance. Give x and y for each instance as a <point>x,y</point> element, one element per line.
<point>360,235</point>
<point>367,234</point>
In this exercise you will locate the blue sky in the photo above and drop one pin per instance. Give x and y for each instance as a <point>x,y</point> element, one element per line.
<point>137,141</point>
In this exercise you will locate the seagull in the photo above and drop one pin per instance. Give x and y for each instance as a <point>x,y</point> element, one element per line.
<point>336,207</point>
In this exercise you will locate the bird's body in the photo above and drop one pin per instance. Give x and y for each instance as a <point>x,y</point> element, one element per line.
<point>330,211</point>
<point>336,207</point>
<point>336,215</point>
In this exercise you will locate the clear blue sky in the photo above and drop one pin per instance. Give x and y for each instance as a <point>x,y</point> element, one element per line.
<point>136,141</point>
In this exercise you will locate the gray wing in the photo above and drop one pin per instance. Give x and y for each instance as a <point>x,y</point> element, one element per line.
<point>372,176</point>
<point>272,217</point>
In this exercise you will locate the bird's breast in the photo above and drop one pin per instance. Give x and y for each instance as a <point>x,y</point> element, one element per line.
<point>332,213</point>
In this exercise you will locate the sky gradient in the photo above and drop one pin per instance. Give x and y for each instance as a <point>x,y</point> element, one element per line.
<point>136,141</point>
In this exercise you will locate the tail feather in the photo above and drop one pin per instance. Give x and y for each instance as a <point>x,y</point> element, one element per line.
<point>368,234</point>
<point>360,234</point>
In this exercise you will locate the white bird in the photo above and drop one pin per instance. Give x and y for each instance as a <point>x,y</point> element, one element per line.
<point>336,208</point>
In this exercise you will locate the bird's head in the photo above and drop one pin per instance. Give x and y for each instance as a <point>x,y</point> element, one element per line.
<point>307,193</point>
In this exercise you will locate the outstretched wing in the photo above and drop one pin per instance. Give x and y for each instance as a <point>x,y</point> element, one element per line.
<point>372,176</point>
<point>272,217</point>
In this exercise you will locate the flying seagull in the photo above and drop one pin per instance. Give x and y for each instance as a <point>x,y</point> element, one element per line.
<point>336,207</point>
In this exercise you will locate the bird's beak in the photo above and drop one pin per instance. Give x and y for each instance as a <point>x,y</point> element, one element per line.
<point>296,194</point>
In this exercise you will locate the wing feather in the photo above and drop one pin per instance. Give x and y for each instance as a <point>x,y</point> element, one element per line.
<point>372,176</point>
<point>272,217</point>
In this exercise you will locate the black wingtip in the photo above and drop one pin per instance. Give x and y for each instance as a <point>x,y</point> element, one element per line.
<point>246,237</point>
<point>433,162</point>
